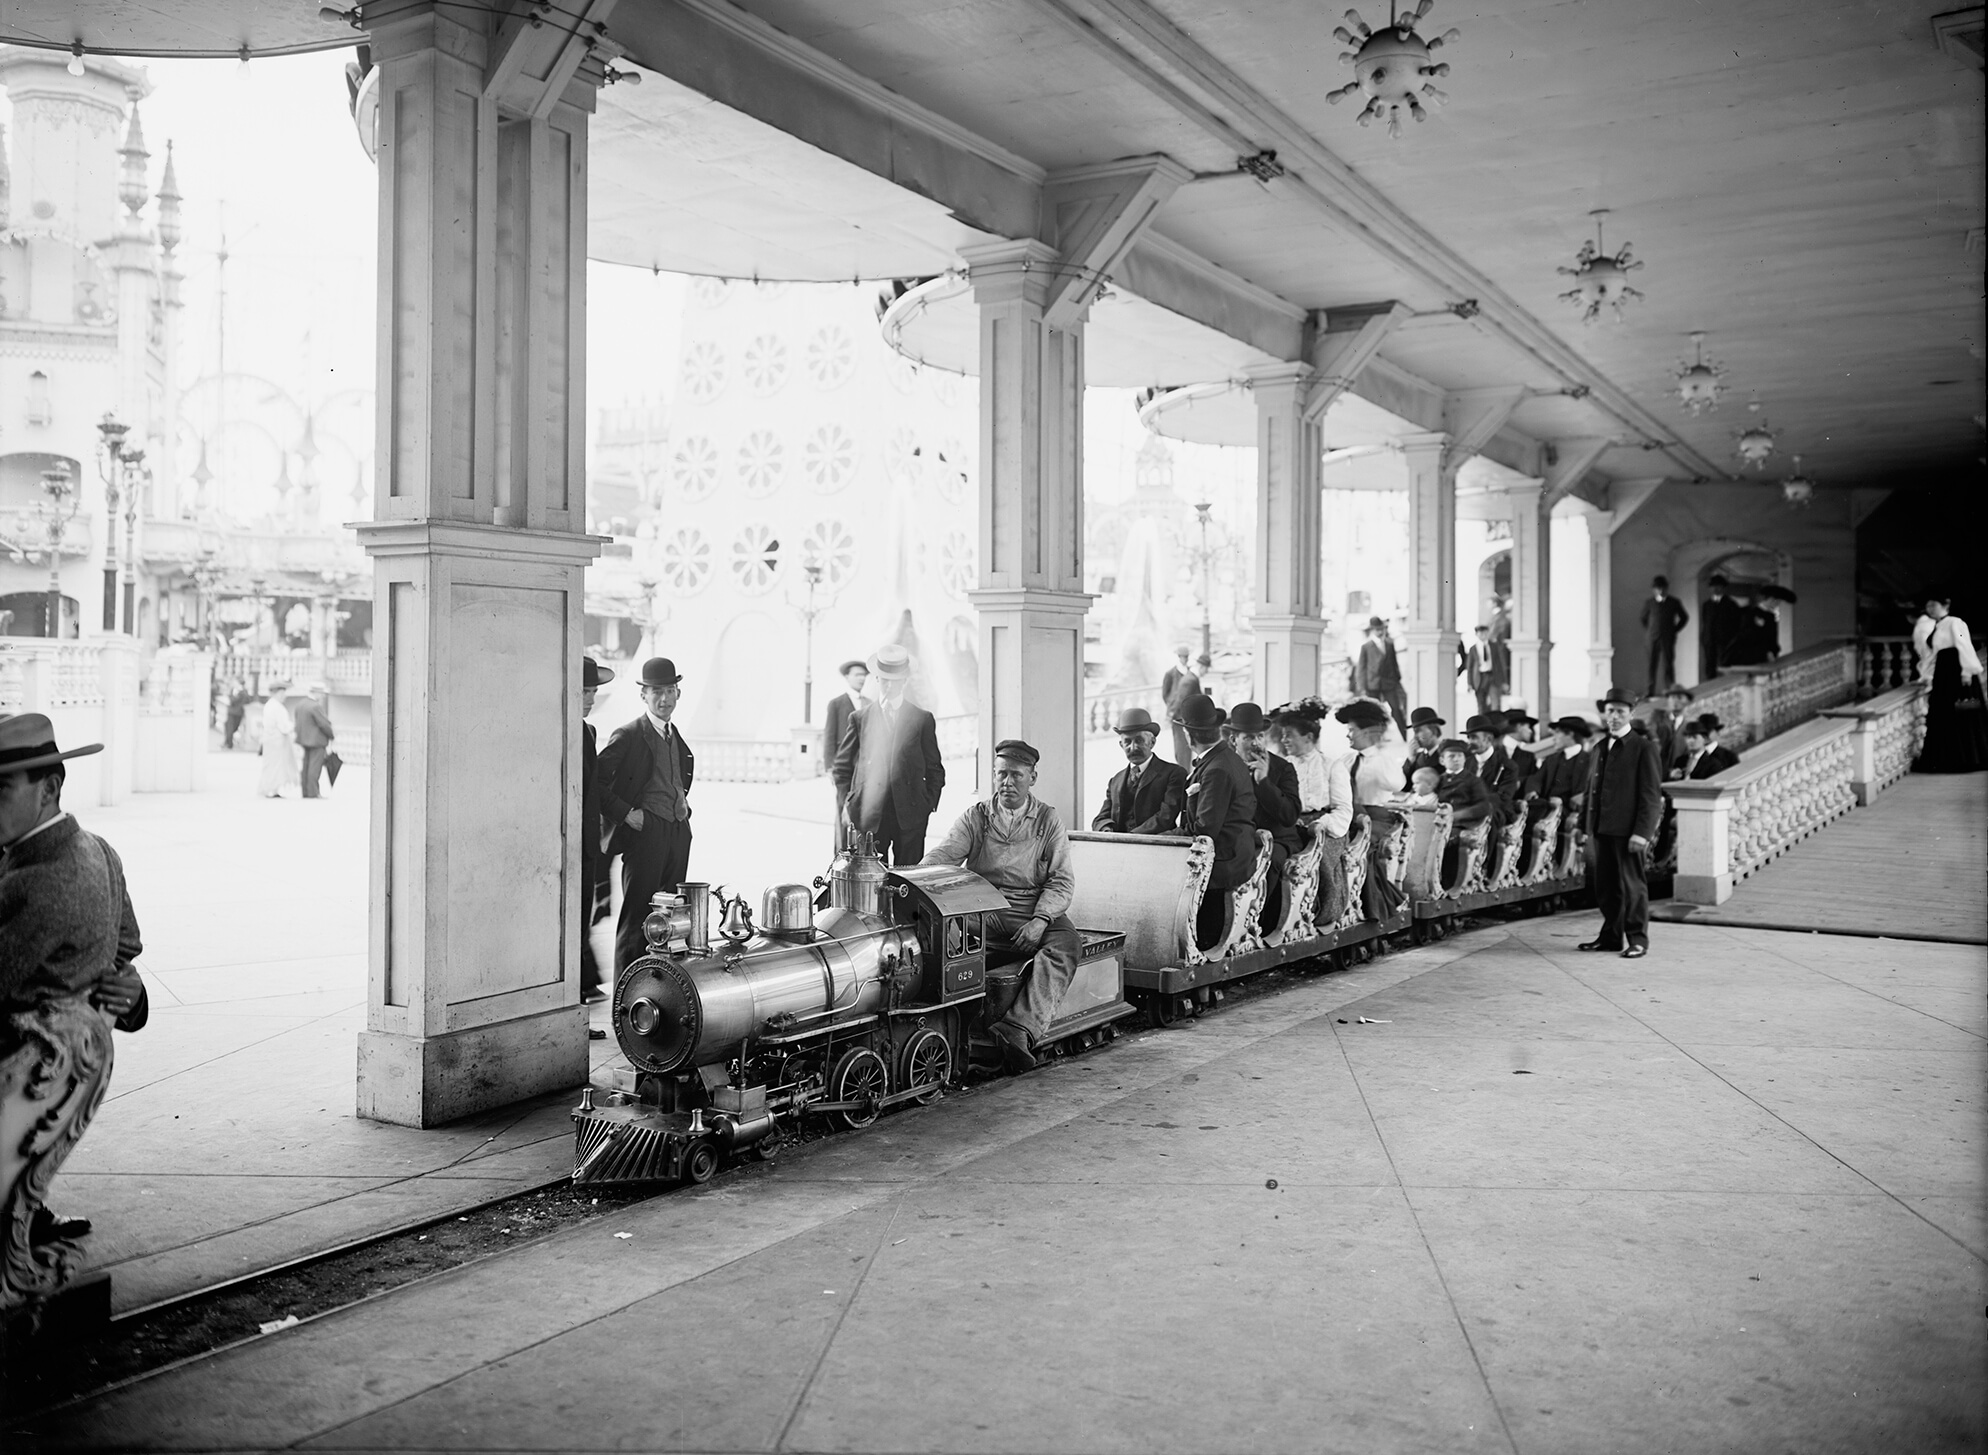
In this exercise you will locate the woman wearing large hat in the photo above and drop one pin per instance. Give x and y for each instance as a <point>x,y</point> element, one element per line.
<point>67,940</point>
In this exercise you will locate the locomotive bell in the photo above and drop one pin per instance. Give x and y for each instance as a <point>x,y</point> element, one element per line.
<point>736,926</point>
<point>786,909</point>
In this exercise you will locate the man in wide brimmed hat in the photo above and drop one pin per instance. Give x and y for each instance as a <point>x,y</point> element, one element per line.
<point>67,940</point>
<point>1146,795</point>
<point>1017,843</point>
<point>1624,808</point>
<point>890,759</point>
<point>645,773</point>
<point>836,717</point>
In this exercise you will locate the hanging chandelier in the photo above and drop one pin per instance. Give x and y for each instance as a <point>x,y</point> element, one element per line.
<point>1701,382</point>
<point>1392,67</point>
<point>1798,489</point>
<point>1601,280</point>
<point>1754,442</point>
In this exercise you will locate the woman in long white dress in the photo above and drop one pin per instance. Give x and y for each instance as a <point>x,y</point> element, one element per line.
<point>279,746</point>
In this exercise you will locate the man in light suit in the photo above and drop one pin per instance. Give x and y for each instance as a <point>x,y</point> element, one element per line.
<point>1625,804</point>
<point>314,735</point>
<point>890,759</point>
<point>644,774</point>
<point>842,710</point>
<point>1146,795</point>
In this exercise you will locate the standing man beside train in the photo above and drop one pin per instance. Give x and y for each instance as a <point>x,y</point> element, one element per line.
<point>644,774</point>
<point>1016,842</point>
<point>593,859</point>
<point>842,710</point>
<point>890,760</point>
<point>1625,804</point>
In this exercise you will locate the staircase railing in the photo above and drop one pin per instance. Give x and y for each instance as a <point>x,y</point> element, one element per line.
<point>1731,825</point>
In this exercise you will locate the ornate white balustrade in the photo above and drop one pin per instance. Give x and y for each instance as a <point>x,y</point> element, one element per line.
<point>151,719</point>
<point>1755,703</point>
<point>1791,785</point>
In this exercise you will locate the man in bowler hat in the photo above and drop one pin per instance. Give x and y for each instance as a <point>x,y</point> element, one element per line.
<point>1664,616</point>
<point>1625,804</point>
<point>1146,795</point>
<point>890,759</point>
<point>1425,741</point>
<point>593,859</point>
<point>644,774</point>
<point>1221,805</point>
<point>842,710</point>
<point>1377,673</point>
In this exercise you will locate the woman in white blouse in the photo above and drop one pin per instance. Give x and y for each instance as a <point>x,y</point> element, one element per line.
<point>279,747</point>
<point>1325,801</point>
<point>1956,721</point>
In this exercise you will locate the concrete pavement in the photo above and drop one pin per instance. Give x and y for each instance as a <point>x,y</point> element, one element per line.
<point>1728,1198</point>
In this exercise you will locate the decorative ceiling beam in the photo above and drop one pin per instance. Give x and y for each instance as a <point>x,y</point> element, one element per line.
<point>1345,346</point>
<point>1568,464</point>
<point>1150,48</point>
<point>1093,216</point>
<point>738,60</point>
<point>533,57</point>
<point>1472,416</point>
<point>1180,280</point>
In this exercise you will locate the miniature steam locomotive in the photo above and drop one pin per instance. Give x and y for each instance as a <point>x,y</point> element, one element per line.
<point>840,1011</point>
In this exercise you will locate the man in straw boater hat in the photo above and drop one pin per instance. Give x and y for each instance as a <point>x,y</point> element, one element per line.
<point>1016,842</point>
<point>67,940</point>
<point>836,717</point>
<point>1146,795</point>
<point>890,760</point>
<point>644,774</point>
<point>1625,804</point>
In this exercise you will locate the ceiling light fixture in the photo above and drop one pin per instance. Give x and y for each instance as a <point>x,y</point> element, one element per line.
<point>75,66</point>
<point>1798,489</point>
<point>1392,66</point>
<point>1754,442</point>
<point>1601,280</point>
<point>1700,382</point>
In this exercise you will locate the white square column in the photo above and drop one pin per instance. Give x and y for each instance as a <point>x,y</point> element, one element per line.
<point>1031,600</point>
<point>1532,598</point>
<point>473,995</point>
<point>1285,607</point>
<point>1431,637</point>
<point>1601,622</point>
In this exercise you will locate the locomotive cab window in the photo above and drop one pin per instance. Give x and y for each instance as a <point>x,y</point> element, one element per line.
<point>955,937</point>
<point>972,923</point>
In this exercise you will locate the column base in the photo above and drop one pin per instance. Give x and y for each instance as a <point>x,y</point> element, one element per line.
<point>1286,656</point>
<point>1707,889</point>
<point>1430,673</point>
<point>424,1081</point>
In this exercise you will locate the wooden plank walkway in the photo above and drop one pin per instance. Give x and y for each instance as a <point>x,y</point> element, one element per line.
<point>1914,865</point>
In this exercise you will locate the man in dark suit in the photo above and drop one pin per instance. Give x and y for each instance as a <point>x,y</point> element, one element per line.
<point>842,710</point>
<point>1494,767</point>
<point>1481,671</point>
<point>1425,740</point>
<point>1221,806</point>
<point>1146,795</point>
<point>1377,673</point>
<point>1704,756</point>
<point>593,859</point>
<point>1279,800</point>
<point>314,735</point>
<point>644,774</point>
<point>890,758</point>
<point>1664,616</point>
<point>1718,628</point>
<point>1624,807</point>
<point>1563,771</point>
<point>1517,728</point>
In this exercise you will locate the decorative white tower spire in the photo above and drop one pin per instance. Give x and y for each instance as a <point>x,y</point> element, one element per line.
<point>131,187</point>
<point>6,178</point>
<point>169,200</point>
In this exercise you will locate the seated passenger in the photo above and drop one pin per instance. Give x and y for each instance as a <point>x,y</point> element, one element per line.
<point>1146,795</point>
<point>1494,767</point>
<point>1704,754</point>
<point>1221,805</point>
<point>1376,770</point>
<point>1563,773</point>
<point>1461,788</point>
<point>1325,800</point>
<point>1278,803</point>
<point>1016,843</point>
<point>1422,789</point>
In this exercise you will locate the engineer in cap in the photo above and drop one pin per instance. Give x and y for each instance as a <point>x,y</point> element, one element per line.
<point>1147,794</point>
<point>67,939</point>
<point>890,759</point>
<point>1016,842</point>
<point>1221,806</point>
<point>593,859</point>
<point>644,773</point>
<point>1625,804</point>
<point>841,711</point>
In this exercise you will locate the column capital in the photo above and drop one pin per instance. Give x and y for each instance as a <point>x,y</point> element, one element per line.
<point>1041,599</point>
<point>1423,441</point>
<point>1010,271</point>
<point>433,537</point>
<point>1525,488</point>
<point>1290,373</point>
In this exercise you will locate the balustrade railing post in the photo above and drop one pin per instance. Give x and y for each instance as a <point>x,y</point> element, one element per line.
<point>1704,843</point>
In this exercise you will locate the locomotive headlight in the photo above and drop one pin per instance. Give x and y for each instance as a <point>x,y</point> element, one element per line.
<point>643,1014</point>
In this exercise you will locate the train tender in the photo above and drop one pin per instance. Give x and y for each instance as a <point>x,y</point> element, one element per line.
<point>838,1011</point>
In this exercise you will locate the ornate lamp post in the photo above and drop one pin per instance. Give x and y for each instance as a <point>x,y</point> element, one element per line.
<point>811,568</point>
<point>138,475</point>
<point>112,462</point>
<point>58,508</point>
<point>206,576</point>
<point>257,583</point>
<point>1201,509</point>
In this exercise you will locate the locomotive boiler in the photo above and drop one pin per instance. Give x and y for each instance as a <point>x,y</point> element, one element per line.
<point>736,1031</point>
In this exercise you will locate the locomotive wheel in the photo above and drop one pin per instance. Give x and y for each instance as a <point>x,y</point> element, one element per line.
<point>770,1146</point>
<point>860,1073</point>
<point>928,1062</point>
<point>700,1163</point>
<point>1159,1011</point>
